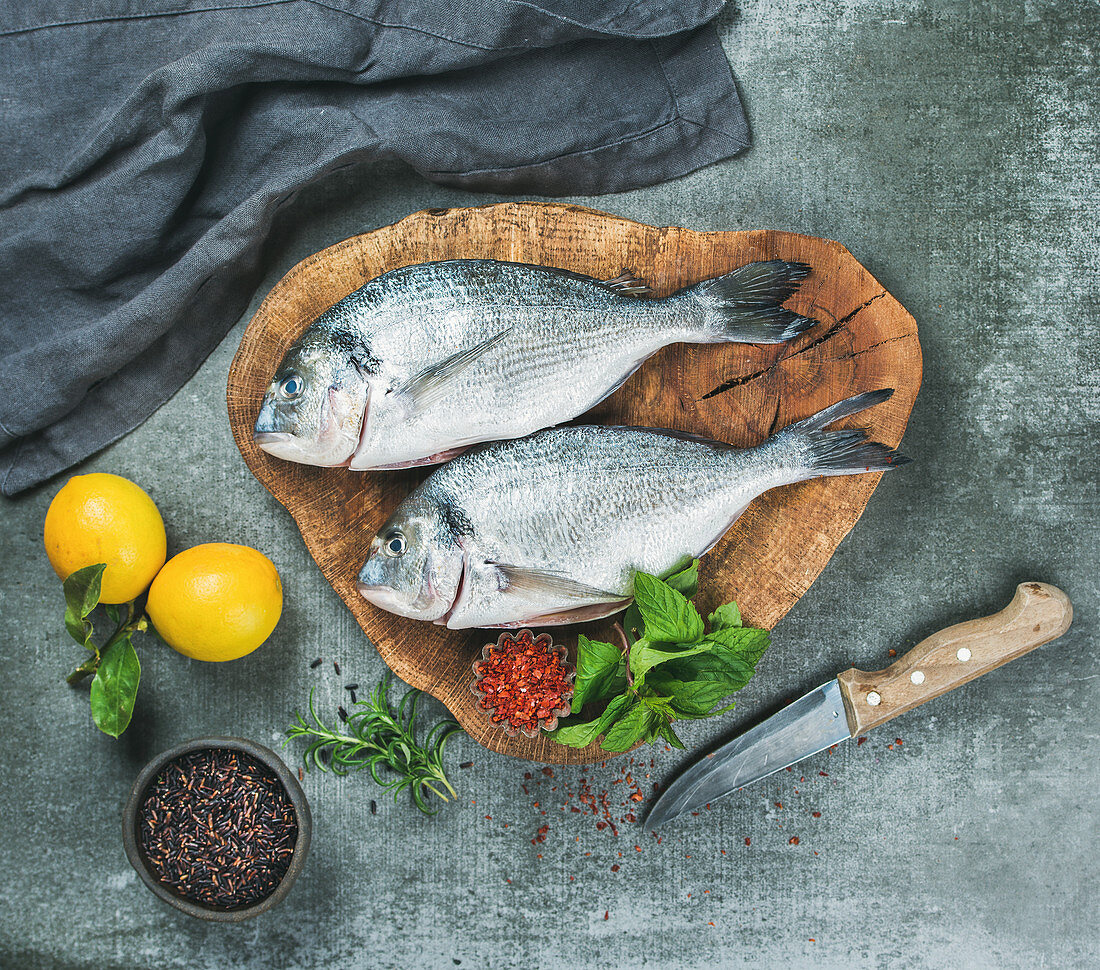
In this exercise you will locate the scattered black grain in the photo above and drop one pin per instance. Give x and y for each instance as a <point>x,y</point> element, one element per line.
<point>336,667</point>
<point>354,699</point>
<point>351,686</point>
<point>343,714</point>
<point>373,807</point>
<point>466,764</point>
<point>218,828</point>
<point>316,663</point>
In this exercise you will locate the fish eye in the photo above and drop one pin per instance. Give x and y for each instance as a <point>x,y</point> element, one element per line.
<point>394,545</point>
<point>291,386</point>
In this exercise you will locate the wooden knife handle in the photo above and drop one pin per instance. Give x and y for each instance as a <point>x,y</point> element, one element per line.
<point>948,659</point>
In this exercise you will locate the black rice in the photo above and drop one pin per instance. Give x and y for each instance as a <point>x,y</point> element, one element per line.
<point>218,828</point>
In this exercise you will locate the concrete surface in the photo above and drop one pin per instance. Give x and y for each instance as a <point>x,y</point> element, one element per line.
<point>952,147</point>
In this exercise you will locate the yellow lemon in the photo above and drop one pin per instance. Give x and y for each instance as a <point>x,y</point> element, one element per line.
<point>217,601</point>
<point>106,518</point>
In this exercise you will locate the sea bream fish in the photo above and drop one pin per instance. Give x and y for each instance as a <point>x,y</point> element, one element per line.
<point>551,529</point>
<point>424,361</point>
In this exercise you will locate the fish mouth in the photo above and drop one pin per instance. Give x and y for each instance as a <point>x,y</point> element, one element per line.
<point>265,438</point>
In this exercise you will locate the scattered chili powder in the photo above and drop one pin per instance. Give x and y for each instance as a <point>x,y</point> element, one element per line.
<point>524,683</point>
<point>816,814</point>
<point>218,828</point>
<point>793,840</point>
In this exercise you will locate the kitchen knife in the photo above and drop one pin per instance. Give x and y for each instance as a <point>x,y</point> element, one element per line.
<point>858,700</point>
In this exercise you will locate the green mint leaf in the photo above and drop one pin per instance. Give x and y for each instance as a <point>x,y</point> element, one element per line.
<point>81,596</point>
<point>685,579</point>
<point>601,672</point>
<point>668,615</point>
<point>744,641</point>
<point>582,735</point>
<point>694,699</point>
<point>643,657</point>
<point>669,735</point>
<point>725,617</point>
<point>633,624</point>
<point>114,688</point>
<point>629,729</point>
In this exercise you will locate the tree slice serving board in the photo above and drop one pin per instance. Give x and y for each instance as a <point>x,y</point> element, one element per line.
<point>734,392</point>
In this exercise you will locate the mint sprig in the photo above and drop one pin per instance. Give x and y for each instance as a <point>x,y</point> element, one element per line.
<point>668,668</point>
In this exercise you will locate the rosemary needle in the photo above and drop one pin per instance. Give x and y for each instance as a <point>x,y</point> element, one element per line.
<point>378,738</point>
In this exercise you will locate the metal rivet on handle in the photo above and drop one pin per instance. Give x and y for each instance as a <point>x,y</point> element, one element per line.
<point>963,654</point>
<point>874,698</point>
<point>917,676</point>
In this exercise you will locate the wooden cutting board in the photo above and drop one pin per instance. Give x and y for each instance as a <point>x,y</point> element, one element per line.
<point>734,392</point>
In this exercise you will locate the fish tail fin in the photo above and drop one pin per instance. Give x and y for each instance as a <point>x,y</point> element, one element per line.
<point>745,306</point>
<point>818,451</point>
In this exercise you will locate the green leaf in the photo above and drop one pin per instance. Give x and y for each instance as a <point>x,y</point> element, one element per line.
<point>668,615</point>
<point>601,672</point>
<point>745,641</point>
<point>114,688</point>
<point>725,617</point>
<point>669,735</point>
<point>691,699</point>
<point>583,734</point>
<point>633,624</point>
<point>685,580</point>
<point>113,613</point>
<point>643,657</point>
<point>81,596</point>
<point>630,728</point>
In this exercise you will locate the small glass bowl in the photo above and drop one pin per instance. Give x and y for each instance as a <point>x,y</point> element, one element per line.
<point>545,642</point>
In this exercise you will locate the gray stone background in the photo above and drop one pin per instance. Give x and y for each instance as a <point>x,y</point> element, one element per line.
<point>952,146</point>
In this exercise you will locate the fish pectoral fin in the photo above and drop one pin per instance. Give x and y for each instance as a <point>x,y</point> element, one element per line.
<point>431,384</point>
<point>628,282</point>
<point>531,580</point>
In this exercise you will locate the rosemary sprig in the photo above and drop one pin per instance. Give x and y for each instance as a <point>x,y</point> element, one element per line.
<point>378,738</point>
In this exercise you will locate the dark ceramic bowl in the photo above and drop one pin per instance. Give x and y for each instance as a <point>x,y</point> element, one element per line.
<point>293,790</point>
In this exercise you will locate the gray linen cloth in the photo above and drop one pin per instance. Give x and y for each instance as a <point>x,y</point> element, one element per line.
<point>145,146</point>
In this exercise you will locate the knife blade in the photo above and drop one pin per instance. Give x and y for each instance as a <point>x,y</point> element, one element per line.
<point>857,700</point>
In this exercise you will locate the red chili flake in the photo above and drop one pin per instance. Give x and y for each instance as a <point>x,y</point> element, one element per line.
<point>860,741</point>
<point>892,652</point>
<point>523,682</point>
<point>823,774</point>
<point>778,804</point>
<point>606,913</point>
<point>548,771</point>
<point>897,740</point>
<point>793,840</point>
<point>723,852</point>
<point>637,796</point>
<point>527,776</point>
<point>709,923</point>
<point>615,868</point>
<point>489,817</point>
<point>816,814</point>
<point>638,848</point>
<point>748,841</point>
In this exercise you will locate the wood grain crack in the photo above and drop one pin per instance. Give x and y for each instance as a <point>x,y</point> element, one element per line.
<point>827,335</point>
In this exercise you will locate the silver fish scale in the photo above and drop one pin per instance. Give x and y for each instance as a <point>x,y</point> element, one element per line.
<point>568,340</point>
<point>594,504</point>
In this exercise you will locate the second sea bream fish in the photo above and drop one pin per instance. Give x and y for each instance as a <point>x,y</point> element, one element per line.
<point>551,529</point>
<point>426,360</point>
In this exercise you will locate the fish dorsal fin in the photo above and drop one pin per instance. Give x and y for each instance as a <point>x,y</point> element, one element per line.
<point>532,580</point>
<point>627,283</point>
<point>430,385</point>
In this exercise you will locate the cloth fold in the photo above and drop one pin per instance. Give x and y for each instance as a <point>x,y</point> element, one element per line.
<point>147,145</point>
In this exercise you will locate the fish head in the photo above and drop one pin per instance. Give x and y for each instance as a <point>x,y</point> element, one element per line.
<point>316,404</point>
<point>415,563</point>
